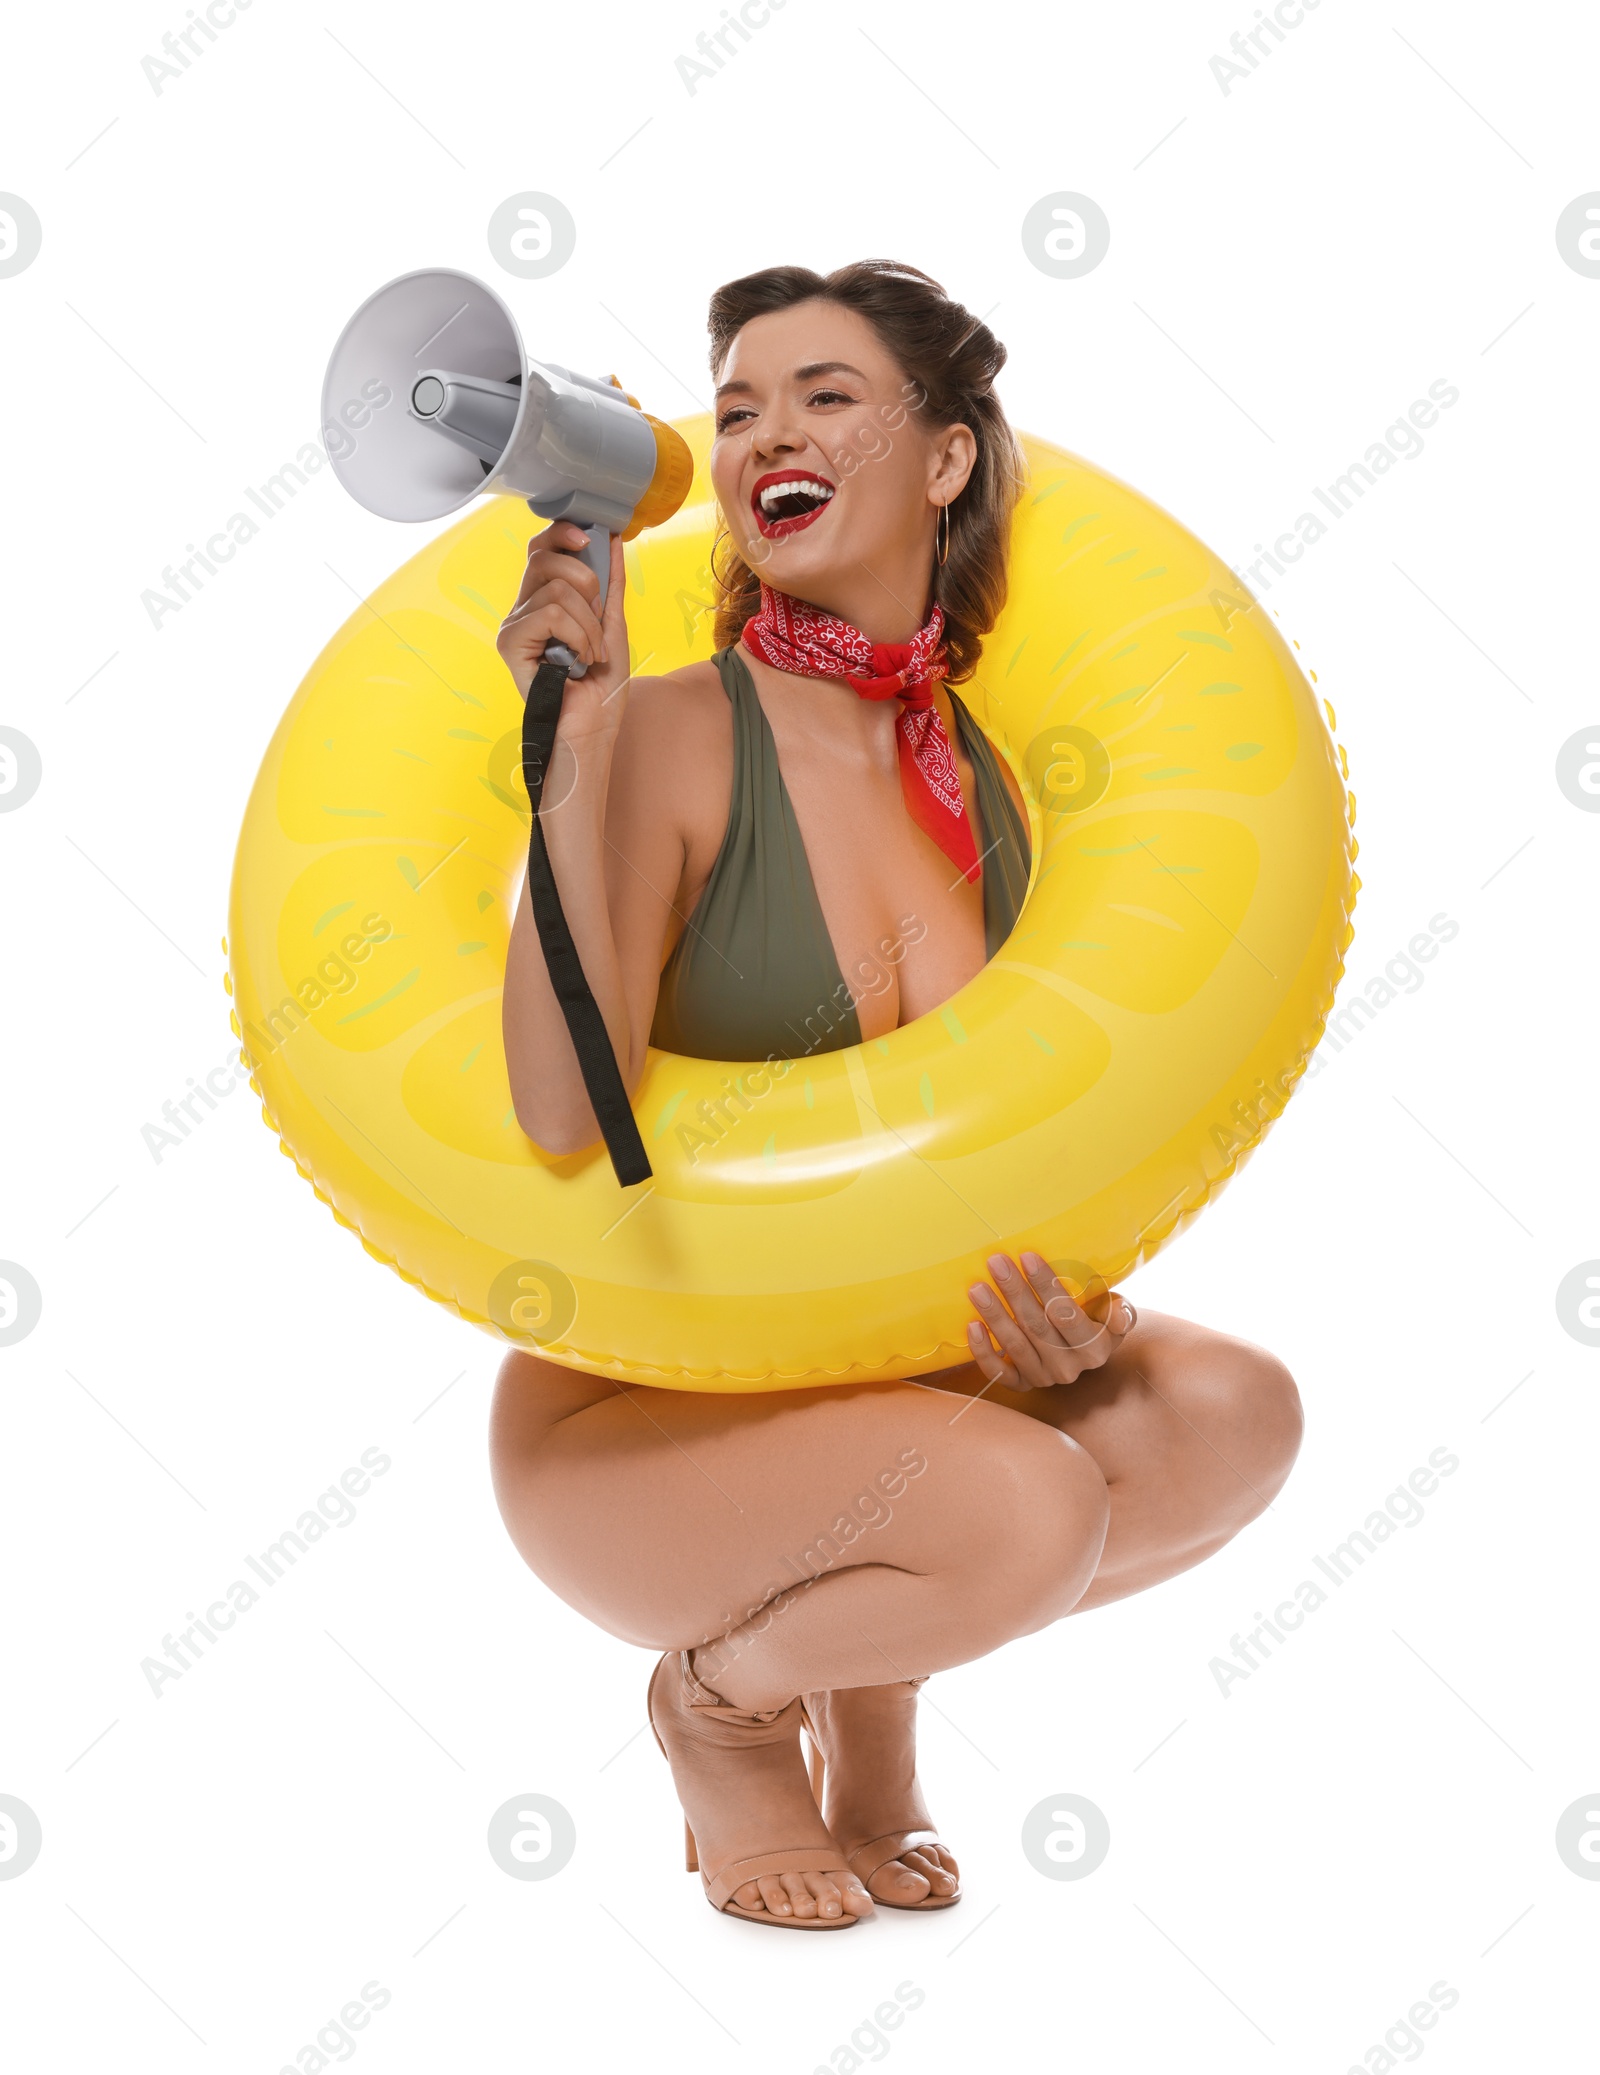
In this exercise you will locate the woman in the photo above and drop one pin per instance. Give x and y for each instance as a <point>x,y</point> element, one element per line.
<point>729,840</point>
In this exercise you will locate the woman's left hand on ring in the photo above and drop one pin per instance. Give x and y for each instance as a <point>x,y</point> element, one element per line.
<point>1045,1337</point>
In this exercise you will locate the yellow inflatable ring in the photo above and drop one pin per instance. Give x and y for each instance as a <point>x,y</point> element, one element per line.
<point>818,1221</point>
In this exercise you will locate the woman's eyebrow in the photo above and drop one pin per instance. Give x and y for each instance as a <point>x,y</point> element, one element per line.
<point>811,369</point>
<point>827,367</point>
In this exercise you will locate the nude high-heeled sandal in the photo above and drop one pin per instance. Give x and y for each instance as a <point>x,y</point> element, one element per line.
<point>735,1729</point>
<point>874,1853</point>
<point>816,1768</point>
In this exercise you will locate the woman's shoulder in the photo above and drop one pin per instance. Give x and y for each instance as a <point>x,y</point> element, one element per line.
<point>690,695</point>
<point>674,719</point>
<point>693,682</point>
<point>673,762</point>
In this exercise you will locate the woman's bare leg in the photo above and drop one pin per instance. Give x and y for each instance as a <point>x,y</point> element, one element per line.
<point>868,1736</point>
<point>678,1518</point>
<point>816,1538</point>
<point>1194,1433</point>
<point>811,1539</point>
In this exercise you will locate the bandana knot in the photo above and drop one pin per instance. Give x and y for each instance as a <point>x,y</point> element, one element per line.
<point>808,642</point>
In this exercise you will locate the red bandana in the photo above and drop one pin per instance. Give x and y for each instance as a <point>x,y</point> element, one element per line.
<point>802,639</point>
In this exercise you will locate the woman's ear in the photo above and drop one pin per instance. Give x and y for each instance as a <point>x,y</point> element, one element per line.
<point>954,455</point>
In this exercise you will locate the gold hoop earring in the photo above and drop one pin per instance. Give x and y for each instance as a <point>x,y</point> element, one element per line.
<point>942,534</point>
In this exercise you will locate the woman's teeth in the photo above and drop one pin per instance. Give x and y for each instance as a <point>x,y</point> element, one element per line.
<point>774,500</point>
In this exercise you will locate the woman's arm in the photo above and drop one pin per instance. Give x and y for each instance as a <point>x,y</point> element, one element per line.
<point>613,835</point>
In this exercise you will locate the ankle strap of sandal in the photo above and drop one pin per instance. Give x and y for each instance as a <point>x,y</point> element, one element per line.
<point>702,1697</point>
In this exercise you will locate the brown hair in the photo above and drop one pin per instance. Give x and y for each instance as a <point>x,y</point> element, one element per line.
<point>950,359</point>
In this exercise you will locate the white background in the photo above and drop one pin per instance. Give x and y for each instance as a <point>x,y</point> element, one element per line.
<point>1291,264</point>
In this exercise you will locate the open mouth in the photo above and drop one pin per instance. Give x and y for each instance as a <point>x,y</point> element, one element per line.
<point>788,501</point>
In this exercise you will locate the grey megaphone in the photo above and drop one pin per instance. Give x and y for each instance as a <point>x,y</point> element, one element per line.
<point>479,415</point>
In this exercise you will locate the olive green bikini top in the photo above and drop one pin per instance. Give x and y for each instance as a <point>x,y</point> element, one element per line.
<point>754,973</point>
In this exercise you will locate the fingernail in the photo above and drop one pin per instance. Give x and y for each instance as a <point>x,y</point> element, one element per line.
<point>1000,1265</point>
<point>1032,1263</point>
<point>981,1297</point>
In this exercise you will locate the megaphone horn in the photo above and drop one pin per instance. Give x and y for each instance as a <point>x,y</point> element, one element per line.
<point>481,416</point>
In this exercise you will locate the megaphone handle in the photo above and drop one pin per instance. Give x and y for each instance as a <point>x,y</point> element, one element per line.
<point>597,553</point>
<point>591,1040</point>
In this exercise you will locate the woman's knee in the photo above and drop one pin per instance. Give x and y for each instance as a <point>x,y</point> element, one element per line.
<point>1044,1524</point>
<point>1243,1411</point>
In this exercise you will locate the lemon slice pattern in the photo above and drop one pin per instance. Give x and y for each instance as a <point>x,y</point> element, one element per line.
<point>817,1220</point>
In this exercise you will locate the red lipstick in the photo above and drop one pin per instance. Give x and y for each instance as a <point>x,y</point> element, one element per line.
<point>787,500</point>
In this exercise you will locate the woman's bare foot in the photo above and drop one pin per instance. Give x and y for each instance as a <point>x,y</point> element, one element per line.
<point>743,1787</point>
<point>868,1737</point>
